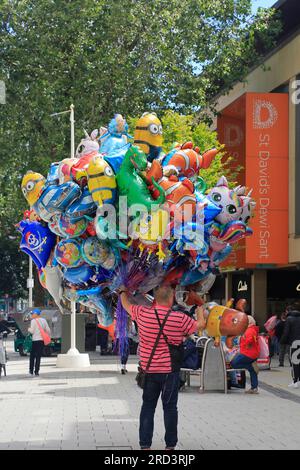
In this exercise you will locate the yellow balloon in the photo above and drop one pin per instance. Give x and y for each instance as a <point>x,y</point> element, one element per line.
<point>148,132</point>
<point>32,185</point>
<point>151,228</point>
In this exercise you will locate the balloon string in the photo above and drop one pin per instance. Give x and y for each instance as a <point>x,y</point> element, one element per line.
<point>121,343</point>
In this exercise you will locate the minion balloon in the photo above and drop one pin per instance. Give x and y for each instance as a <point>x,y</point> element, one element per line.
<point>148,135</point>
<point>32,186</point>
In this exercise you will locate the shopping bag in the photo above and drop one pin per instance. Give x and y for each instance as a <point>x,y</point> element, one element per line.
<point>45,336</point>
<point>270,324</point>
<point>263,347</point>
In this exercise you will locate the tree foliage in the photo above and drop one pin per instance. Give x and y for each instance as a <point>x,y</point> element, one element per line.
<point>179,128</point>
<point>109,56</point>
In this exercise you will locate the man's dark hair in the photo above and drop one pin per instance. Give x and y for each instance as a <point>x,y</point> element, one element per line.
<point>296,305</point>
<point>163,292</point>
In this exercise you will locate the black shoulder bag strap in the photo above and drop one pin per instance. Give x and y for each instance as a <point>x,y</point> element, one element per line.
<point>164,321</point>
<point>176,351</point>
<point>158,337</point>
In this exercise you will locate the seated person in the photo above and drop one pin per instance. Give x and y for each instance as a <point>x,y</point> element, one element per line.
<point>248,355</point>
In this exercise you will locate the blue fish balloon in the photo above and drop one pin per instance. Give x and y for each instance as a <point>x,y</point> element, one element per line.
<point>79,276</point>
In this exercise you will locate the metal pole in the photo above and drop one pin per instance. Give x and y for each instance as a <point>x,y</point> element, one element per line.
<point>30,284</point>
<point>72,120</point>
<point>73,326</point>
<point>73,303</point>
<point>73,358</point>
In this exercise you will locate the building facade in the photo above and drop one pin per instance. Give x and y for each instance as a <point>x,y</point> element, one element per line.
<point>266,271</point>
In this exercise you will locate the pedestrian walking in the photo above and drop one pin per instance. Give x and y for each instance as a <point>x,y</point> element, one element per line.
<point>161,333</point>
<point>132,339</point>
<point>270,328</point>
<point>248,354</point>
<point>103,341</point>
<point>291,336</point>
<point>279,328</point>
<point>37,324</point>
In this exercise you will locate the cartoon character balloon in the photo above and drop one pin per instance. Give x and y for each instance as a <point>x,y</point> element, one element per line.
<point>85,244</point>
<point>186,160</point>
<point>224,321</point>
<point>148,135</point>
<point>32,186</point>
<point>228,200</point>
<point>116,136</point>
<point>99,253</point>
<point>68,253</point>
<point>101,181</point>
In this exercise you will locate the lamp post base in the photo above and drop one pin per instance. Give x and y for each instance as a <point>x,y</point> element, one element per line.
<point>73,360</point>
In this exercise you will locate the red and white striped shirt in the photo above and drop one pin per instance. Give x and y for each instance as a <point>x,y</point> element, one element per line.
<point>177,326</point>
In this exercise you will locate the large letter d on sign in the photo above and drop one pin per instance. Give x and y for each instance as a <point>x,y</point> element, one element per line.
<point>264,114</point>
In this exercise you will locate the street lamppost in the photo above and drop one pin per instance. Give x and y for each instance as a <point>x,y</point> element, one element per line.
<point>73,358</point>
<point>30,283</point>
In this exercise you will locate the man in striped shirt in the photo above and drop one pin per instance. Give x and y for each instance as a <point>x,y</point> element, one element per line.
<point>161,378</point>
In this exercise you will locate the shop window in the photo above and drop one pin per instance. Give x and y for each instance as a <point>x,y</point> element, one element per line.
<point>217,291</point>
<point>283,285</point>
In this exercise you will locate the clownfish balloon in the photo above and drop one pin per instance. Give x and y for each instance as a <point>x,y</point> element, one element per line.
<point>186,160</point>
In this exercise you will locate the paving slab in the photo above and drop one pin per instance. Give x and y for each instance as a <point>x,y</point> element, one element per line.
<point>98,408</point>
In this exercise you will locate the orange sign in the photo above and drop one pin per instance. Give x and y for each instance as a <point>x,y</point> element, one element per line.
<point>231,133</point>
<point>266,167</point>
<point>236,259</point>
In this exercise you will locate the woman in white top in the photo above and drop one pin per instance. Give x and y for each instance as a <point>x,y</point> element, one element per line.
<point>37,341</point>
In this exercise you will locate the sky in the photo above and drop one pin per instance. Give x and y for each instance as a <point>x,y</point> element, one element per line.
<point>262,3</point>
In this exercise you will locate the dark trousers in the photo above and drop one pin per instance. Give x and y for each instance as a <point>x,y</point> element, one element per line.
<point>283,350</point>
<point>295,357</point>
<point>244,362</point>
<point>35,356</point>
<point>125,356</point>
<point>167,385</point>
<point>102,339</point>
<point>130,349</point>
